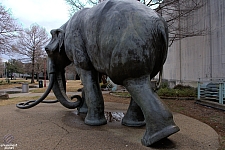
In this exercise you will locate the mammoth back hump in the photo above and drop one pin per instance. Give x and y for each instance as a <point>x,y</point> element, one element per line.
<point>124,36</point>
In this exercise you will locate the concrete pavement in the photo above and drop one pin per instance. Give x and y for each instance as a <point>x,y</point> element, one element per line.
<point>51,126</point>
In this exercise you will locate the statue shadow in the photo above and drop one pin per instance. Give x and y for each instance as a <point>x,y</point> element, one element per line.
<point>164,144</point>
<point>76,120</point>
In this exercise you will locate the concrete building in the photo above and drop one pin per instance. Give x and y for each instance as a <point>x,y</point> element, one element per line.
<point>201,56</point>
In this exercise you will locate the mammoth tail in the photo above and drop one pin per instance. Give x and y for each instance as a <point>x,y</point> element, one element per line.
<point>158,83</point>
<point>162,34</point>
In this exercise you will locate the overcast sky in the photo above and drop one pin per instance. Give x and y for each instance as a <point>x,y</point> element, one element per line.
<point>49,14</point>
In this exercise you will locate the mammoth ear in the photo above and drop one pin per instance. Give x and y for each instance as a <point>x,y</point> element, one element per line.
<point>60,36</point>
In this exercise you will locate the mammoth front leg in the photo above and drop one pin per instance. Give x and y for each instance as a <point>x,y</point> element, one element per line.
<point>159,120</point>
<point>93,97</point>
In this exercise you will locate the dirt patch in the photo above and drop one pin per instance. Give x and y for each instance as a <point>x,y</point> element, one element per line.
<point>213,117</point>
<point>117,99</point>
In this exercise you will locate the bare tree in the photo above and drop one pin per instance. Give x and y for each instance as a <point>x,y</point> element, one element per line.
<point>14,66</point>
<point>40,66</point>
<point>8,29</point>
<point>27,69</point>
<point>2,68</point>
<point>76,5</point>
<point>31,43</point>
<point>175,12</point>
<point>70,70</point>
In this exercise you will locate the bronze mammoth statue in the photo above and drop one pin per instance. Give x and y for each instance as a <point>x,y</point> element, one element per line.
<point>125,40</point>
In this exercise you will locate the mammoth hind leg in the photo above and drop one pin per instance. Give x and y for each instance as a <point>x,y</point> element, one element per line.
<point>159,120</point>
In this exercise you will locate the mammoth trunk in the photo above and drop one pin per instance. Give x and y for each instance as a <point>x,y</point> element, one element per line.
<point>59,87</point>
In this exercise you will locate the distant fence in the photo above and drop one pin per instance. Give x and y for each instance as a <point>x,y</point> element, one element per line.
<point>212,90</point>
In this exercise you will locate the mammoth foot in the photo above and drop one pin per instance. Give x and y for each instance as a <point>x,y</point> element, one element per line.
<point>133,123</point>
<point>134,116</point>
<point>96,122</point>
<point>150,139</point>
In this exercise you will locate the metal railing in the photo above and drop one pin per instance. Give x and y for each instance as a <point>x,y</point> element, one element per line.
<point>212,90</point>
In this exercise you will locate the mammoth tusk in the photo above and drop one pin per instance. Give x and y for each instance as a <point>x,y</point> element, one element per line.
<point>32,103</point>
<point>57,84</point>
<point>59,91</point>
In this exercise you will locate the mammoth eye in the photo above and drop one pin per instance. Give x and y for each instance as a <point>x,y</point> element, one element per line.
<point>53,33</point>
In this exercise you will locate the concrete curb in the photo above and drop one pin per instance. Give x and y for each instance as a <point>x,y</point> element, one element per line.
<point>211,104</point>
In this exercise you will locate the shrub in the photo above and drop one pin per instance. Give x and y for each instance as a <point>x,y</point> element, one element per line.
<point>178,91</point>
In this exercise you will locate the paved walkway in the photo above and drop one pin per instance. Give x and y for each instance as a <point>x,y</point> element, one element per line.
<point>17,93</point>
<point>51,126</point>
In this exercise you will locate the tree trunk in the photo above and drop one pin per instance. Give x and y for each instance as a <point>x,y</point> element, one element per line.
<point>32,77</point>
<point>37,77</point>
<point>11,75</point>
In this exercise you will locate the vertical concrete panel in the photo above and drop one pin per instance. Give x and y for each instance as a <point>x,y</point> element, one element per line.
<point>223,37</point>
<point>217,38</point>
<point>189,55</point>
<point>201,56</point>
<point>171,65</point>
